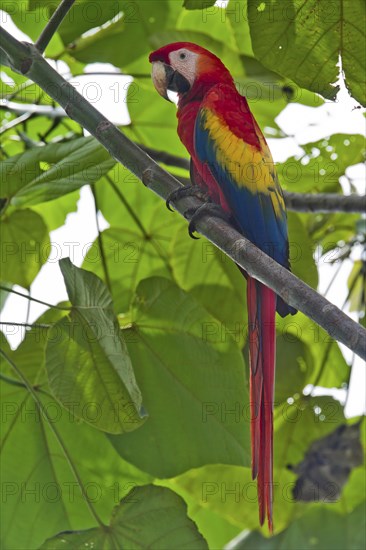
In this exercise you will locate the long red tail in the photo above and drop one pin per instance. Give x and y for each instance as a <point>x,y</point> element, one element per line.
<point>262,353</point>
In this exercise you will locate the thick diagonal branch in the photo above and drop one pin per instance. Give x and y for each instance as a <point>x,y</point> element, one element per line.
<point>26,58</point>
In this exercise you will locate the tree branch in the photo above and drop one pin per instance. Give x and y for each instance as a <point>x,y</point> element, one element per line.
<point>324,202</point>
<point>31,109</point>
<point>55,21</point>
<point>294,291</point>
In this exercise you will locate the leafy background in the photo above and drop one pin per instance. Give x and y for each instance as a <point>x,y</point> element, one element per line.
<point>130,400</point>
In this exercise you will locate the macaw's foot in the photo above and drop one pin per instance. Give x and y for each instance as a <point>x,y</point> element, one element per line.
<point>186,191</point>
<point>207,209</point>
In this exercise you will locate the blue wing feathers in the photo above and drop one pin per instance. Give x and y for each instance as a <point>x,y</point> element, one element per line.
<point>254,213</point>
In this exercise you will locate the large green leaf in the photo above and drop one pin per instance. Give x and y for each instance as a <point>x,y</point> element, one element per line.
<point>45,173</point>
<point>137,244</point>
<point>150,517</point>
<point>25,246</point>
<point>236,14</point>
<point>112,42</point>
<point>87,361</point>
<point>193,386</point>
<point>153,120</point>
<point>213,31</point>
<point>319,528</point>
<point>303,41</point>
<point>214,280</point>
<point>41,495</point>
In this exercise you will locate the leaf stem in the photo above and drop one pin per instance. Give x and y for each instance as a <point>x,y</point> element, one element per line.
<point>28,325</point>
<point>137,221</point>
<point>53,24</point>
<point>100,242</point>
<point>57,435</point>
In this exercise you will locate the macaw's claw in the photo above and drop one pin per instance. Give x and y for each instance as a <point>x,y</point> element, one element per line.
<point>207,209</point>
<point>186,191</point>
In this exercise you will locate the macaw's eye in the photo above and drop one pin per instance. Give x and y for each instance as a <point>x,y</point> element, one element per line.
<point>182,55</point>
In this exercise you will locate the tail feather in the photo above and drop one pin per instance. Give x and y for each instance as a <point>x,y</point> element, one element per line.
<point>262,351</point>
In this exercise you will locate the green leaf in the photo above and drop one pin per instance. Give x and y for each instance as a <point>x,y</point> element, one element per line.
<point>40,491</point>
<point>303,42</point>
<point>137,244</point>
<point>193,385</point>
<point>236,14</point>
<point>292,421</point>
<point>231,493</point>
<point>112,42</point>
<point>319,528</point>
<point>4,294</point>
<point>69,166</point>
<point>214,280</point>
<point>216,529</point>
<point>301,251</point>
<point>149,517</point>
<point>213,31</point>
<point>149,115</point>
<point>294,362</point>
<point>322,164</point>
<point>25,245</point>
<point>87,361</point>
<point>197,4</point>
<point>55,212</point>
<point>331,231</point>
<point>29,356</point>
<point>324,361</point>
<point>357,286</point>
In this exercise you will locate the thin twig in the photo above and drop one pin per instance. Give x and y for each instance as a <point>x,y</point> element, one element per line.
<point>25,325</point>
<point>12,291</point>
<point>26,59</point>
<point>53,24</point>
<point>324,202</point>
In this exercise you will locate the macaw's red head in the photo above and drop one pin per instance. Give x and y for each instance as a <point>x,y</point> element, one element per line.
<point>187,69</point>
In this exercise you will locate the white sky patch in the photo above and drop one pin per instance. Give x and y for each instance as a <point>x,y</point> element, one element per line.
<point>221,3</point>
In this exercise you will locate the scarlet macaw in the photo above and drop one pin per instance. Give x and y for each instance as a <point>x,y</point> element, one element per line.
<point>231,162</point>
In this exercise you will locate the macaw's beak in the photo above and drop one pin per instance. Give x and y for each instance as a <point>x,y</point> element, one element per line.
<point>165,78</point>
